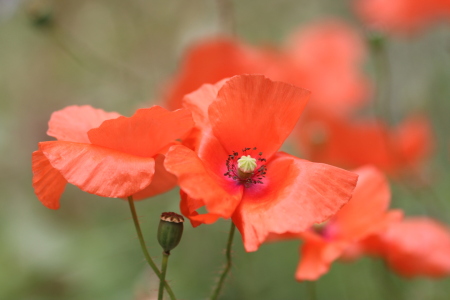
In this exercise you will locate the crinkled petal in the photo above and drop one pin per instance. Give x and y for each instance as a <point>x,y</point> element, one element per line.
<point>145,133</point>
<point>72,123</point>
<point>296,194</point>
<point>48,183</point>
<point>162,181</point>
<point>202,181</point>
<point>98,170</point>
<point>253,111</point>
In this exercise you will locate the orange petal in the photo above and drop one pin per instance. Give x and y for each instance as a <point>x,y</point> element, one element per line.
<point>368,205</point>
<point>48,183</point>
<point>145,133</point>
<point>72,123</point>
<point>162,181</point>
<point>100,171</point>
<point>296,194</point>
<point>316,258</point>
<point>253,111</point>
<point>203,180</point>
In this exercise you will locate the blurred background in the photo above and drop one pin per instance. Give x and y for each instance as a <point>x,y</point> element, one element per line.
<point>117,55</point>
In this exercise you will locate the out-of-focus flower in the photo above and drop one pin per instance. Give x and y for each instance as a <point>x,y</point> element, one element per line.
<point>348,143</point>
<point>416,246</point>
<point>335,77</point>
<point>366,213</point>
<point>119,158</point>
<point>402,16</point>
<point>237,172</point>
<point>212,60</point>
<point>326,58</point>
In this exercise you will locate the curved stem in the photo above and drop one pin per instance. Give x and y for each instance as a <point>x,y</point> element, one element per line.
<point>228,264</point>
<point>163,275</point>
<point>144,248</point>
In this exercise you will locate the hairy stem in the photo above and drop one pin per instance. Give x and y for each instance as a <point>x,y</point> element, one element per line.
<point>227,268</point>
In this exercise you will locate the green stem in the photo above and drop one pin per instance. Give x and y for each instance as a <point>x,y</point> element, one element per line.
<point>144,248</point>
<point>163,275</point>
<point>228,264</point>
<point>311,285</point>
<point>383,80</point>
<point>226,17</point>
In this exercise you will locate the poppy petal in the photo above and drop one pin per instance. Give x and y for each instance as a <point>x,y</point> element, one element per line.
<point>162,181</point>
<point>418,246</point>
<point>253,111</point>
<point>188,207</point>
<point>48,183</point>
<point>145,133</point>
<point>296,194</point>
<point>316,258</point>
<point>199,101</point>
<point>201,180</point>
<point>368,206</point>
<point>98,170</point>
<point>72,123</point>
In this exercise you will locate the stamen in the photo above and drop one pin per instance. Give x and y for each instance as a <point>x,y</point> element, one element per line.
<point>247,170</point>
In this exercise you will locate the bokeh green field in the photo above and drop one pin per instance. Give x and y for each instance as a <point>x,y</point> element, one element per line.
<point>116,55</point>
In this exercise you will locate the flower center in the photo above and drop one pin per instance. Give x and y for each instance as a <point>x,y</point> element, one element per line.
<point>245,168</point>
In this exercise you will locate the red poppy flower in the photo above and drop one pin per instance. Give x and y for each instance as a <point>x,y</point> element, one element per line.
<point>416,246</point>
<point>402,15</point>
<point>363,215</point>
<point>335,77</point>
<point>237,172</point>
<point>120,158</point>
<point>350,143</point>
<point>210,61</point>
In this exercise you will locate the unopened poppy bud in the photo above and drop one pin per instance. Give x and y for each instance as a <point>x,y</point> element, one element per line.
<point>170,230</point>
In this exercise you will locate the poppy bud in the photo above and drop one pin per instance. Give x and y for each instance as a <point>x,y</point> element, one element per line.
<point>170,230</point>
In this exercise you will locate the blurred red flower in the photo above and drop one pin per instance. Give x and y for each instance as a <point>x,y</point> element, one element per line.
<point>348,143</point>
<point>335,77</point>
<point>119,158</point>
<point>212,60</point>
<point>402,16</point>
<point>326,58</point>
<point>249,118</point>
<point>417,246</point>
<point>366,213</point>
